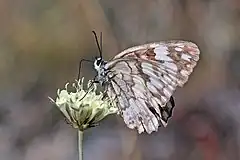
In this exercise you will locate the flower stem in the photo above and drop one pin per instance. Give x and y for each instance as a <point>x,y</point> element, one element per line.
<point>80,145</point>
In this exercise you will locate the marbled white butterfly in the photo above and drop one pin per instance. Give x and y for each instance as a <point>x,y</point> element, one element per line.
<point>143,78</point>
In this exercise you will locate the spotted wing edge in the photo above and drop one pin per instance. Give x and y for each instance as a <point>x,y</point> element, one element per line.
<point>125,52</point>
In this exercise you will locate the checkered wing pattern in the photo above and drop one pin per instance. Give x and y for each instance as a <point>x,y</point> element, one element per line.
<point>143,79</point>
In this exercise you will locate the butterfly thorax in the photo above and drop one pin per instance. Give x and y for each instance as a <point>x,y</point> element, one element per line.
<point>99,66</point>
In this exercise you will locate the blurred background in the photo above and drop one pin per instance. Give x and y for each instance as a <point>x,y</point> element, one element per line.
<point>42,42</point>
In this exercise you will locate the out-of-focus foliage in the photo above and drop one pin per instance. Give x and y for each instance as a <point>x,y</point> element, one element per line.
<point>42,41</point>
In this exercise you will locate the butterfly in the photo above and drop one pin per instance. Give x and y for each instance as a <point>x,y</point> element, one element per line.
<point>142,79</point>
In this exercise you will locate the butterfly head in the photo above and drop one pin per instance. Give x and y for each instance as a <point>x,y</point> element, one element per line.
<point>98,63</point>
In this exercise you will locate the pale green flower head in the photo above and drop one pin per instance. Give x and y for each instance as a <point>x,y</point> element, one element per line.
<point>84,108</point>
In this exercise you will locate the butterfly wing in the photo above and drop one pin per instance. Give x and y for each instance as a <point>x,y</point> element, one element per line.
<point>143,79</point>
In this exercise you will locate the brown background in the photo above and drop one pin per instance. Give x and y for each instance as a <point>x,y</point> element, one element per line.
<point>42,41</point>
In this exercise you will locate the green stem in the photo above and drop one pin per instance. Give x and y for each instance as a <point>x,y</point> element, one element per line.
<point>80,145</point>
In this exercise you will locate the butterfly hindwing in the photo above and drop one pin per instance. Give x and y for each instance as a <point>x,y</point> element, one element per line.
<point>141,94</point>
<point>133,101</point>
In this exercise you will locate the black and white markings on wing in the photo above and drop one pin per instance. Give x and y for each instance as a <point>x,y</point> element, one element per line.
<point>145,78</point>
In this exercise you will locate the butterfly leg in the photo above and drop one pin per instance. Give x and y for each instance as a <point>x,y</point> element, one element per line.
<point>90,86</point>
<point>105,94</point>
<point>80,66</point>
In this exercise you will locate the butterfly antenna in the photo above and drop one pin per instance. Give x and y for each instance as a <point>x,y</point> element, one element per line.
<point>96,39</point>
<point>101,42</point>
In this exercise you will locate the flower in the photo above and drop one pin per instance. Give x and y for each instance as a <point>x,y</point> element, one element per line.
<point>84,108</point>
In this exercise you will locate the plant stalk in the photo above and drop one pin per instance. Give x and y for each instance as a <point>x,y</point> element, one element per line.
<point>80,145</point>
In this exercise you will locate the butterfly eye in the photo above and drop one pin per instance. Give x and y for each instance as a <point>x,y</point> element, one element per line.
<point>99,62</point>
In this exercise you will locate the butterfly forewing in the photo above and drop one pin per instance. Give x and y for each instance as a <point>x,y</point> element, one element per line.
<point>170,56</point>
<point>142,79</point>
